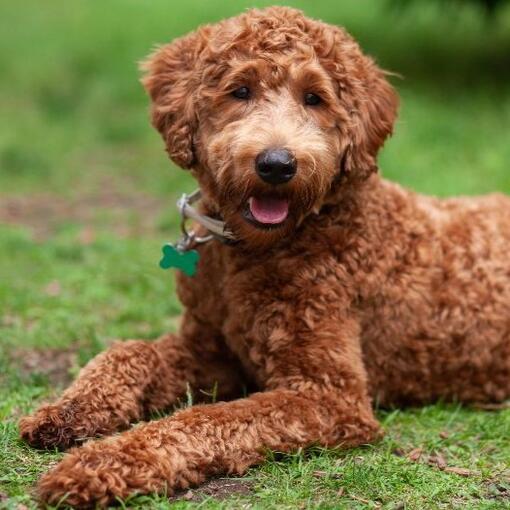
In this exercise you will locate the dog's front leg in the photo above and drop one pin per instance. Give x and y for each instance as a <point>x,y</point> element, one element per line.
<point>128,381</point>
<point>107,395</point>
<point>319,398</point>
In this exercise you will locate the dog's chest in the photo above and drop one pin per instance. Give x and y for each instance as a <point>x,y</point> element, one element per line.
<point>272,307</point>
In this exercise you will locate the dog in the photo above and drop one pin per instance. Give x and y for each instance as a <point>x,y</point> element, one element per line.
<point>339,289</point>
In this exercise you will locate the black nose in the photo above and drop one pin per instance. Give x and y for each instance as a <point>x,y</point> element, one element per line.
<point>276,166</point>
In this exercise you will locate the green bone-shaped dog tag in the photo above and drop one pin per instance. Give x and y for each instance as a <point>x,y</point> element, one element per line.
<point>186,261</point>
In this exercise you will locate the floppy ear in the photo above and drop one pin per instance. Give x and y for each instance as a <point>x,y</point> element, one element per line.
<point>170,81</point>
<point>369,99</point>
<point>372,118</point>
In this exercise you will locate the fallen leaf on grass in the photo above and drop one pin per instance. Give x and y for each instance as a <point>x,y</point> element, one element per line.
<point>437,460</point>
<point>444,435</point>
<point>357,498</point>
<point>414,455</point>
<point>460,471</point>
<point>365,501</point>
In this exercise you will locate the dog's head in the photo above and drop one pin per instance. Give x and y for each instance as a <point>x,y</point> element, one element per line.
<point>271,111</point>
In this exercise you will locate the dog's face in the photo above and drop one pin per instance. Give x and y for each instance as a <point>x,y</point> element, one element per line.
<point>271,111</point>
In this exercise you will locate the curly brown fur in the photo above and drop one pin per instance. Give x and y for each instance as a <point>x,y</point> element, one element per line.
<point>364,292</point>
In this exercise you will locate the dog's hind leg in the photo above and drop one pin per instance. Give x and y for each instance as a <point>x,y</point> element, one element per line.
<point>125,383</point>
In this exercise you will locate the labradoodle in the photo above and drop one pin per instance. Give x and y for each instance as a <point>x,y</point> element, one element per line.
<point>340,289</point>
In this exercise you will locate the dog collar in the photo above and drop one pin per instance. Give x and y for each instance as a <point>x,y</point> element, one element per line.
<point>180,255</point>
<point>216,228</point>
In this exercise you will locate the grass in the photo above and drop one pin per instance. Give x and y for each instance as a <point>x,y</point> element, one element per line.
<point>86,200</point>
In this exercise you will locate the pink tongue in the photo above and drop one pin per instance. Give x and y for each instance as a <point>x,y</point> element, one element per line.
<point>269,210</point>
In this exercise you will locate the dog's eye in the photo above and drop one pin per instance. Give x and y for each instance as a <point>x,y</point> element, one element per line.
<point>241,93</point>
<point>312,99</point>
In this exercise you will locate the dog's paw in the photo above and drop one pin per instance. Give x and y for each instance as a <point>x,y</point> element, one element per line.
<point>52,426</point>
<point>103,472</point>
<point>81,480</point>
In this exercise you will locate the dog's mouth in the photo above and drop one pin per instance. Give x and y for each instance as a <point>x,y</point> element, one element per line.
<point>267,211</point>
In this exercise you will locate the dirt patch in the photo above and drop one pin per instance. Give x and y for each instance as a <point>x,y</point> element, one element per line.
<point>498,487</point>
<point>499,491</point>
<point>218,488</point>
<point>57,365</point>
<point>126,214</point>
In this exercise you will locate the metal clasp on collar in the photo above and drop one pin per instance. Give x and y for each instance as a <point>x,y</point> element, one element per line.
<point>215,227</point>
<point>189,237</point>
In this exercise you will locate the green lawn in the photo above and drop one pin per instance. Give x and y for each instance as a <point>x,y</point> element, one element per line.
<point>87,198</point>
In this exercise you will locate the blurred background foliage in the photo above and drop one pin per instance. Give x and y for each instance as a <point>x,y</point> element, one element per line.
<point>74,114</point>
<point>489,6</point>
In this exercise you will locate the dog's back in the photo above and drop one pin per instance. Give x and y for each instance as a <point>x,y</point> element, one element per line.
<point>438,325</point>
